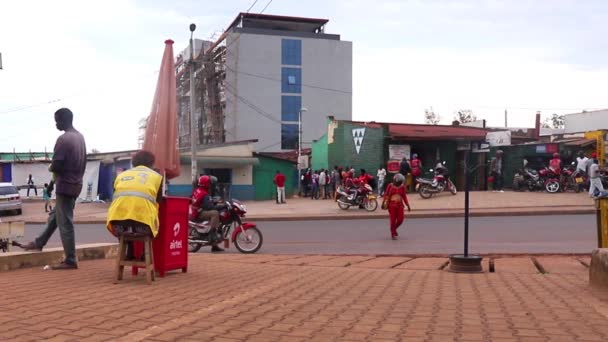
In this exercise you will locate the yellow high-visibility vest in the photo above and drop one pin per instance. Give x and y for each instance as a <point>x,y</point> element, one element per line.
<point>135,192</point>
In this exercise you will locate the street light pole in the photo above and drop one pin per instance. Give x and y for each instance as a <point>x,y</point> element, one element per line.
<point>300,148</point>
<point>193,135</point>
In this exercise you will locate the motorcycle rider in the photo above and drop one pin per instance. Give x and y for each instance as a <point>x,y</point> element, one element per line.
<point>204,208</point>
<point>555,164</point>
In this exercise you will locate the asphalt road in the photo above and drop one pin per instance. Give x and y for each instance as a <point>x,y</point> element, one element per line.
<point>518,234</point>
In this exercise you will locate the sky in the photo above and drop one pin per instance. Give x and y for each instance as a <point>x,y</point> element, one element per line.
<point>101,58</point>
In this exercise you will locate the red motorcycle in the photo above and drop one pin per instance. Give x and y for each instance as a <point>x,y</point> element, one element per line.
<point>245,235</point>
<point>362,196</point>
<point>551,180</point>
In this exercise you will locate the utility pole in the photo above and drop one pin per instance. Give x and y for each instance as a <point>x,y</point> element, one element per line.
<point>506,118</point>
<point>193,133</point>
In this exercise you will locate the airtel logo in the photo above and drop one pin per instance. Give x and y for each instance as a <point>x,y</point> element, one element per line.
<point>176,229</point>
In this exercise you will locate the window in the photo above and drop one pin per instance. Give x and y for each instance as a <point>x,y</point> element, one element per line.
<point>290,106</point>
<point>291,80</point>
<point>291,52</point>
<point>289,136</point>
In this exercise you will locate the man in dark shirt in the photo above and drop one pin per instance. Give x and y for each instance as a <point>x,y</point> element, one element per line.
<point>68,165</point>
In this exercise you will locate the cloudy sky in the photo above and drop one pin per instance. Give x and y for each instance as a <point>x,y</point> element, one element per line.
<point>100,58</point>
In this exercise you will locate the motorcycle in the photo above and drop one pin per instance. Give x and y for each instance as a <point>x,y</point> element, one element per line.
<point>550,180</point>
<point>245,235</point>
<point>527,178</point>
<point>571,179</point>
<point>364,197</point>
<point>426,188</point>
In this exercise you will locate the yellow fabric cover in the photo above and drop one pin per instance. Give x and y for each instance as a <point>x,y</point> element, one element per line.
<point>138,185</point>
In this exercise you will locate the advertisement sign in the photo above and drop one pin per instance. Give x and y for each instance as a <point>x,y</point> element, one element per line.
<point>501,138</point>
<point>303,162</point>
<point>399,152</point>
<point>392,166</point>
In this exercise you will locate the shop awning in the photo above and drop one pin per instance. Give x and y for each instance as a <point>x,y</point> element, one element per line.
<point>436,132</point>
<point>581,142</point>
<point>206,161</point>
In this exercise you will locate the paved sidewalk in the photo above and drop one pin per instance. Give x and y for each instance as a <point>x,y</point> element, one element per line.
<point>301,298</point>
<point>444,205</point>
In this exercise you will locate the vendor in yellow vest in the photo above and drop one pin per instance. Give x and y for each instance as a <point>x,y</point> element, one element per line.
<point>137,193</point>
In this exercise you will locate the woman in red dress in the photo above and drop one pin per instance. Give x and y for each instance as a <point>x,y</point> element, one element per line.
<point>396,200</point>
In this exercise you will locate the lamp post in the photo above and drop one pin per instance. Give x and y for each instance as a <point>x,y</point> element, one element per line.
<point>300,148</point>
<point>193,135</point>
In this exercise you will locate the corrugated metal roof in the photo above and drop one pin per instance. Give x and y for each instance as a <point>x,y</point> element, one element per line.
<point>435,132</point>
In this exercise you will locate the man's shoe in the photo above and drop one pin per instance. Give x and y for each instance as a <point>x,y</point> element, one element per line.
<point>65,266</point>
<point>31,246</point>
<point>215,248</point>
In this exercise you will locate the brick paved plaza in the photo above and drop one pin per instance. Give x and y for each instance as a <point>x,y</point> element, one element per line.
<point>297,298</point>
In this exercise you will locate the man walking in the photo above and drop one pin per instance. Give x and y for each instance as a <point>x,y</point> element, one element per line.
<point>322,183</point>
<point>594,179</point>
<point>496,166</point>
<point>31,185</point>
<point>381,175</point>
<point>279,181</point>
<point>68,165</point>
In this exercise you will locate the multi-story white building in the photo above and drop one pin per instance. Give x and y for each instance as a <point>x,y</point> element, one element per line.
<point>274,67</point>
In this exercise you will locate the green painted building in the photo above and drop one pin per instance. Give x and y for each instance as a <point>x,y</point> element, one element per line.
<point>369,145</point>
<point>264,172</point>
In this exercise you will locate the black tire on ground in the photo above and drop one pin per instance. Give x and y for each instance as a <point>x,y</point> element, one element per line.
<point>424,191</point>
<point>257,247</point>
<point>193,247</point>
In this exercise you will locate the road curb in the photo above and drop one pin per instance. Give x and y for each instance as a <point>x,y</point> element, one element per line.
<point>383,214</point>
<point>17,260</point>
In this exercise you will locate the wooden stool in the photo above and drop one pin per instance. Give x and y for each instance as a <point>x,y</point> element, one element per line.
<point>148,264</point>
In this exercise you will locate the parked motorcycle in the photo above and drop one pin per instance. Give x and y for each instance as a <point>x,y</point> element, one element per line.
<point>550,180</point>
<point>245,235</point>
<point>364,197</point>
<point>428,187</point>
<point>571,179</point>
<point>528,178</point>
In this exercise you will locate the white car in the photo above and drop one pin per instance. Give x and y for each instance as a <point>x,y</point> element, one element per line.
<point>9,198</point>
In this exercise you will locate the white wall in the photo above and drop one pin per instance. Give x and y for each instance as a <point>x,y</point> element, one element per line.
<point>585,122</point>
<point>325,64</point>
<point>242,175</point>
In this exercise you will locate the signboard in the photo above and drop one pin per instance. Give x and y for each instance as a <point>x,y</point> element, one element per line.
<point>500,138</point>
<point>399,152</point>
<point>463,146</point>
<point>541,148</point>
<point>392,166</point>
<point>303,162</point>
<point>481,148</point>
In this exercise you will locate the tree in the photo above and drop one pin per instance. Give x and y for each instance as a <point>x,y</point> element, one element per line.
<point>430,117</point>
<point>554,121</point>
<point>94,150</point>
<point>464,116</point>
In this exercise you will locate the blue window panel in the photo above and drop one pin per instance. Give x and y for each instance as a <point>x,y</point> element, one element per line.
<point>290,106</point>
<point>291,80</point>
<point>289,136</point>
<point>291,52</point>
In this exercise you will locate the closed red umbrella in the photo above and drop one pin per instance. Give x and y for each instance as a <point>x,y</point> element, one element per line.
<point>161,129</point>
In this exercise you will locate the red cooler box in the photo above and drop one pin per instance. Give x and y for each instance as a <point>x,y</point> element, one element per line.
<point>171,243</point>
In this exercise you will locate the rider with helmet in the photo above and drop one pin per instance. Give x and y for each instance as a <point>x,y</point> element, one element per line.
<point>555,164</point>
<point>204,208</point>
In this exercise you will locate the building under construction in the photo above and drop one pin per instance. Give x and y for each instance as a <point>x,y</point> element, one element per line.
<point>255,79</point>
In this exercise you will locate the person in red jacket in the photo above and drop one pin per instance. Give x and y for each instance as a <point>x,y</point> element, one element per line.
<point>203,208</point>
<point>279,181</point>
<point>396,200</point>
<point>556,164</point>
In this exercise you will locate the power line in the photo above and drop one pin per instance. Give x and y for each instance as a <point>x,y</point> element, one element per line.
<point>258,110</point>
<point>266,6</point>
<point>277,80</point>
<point>250,7</point>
